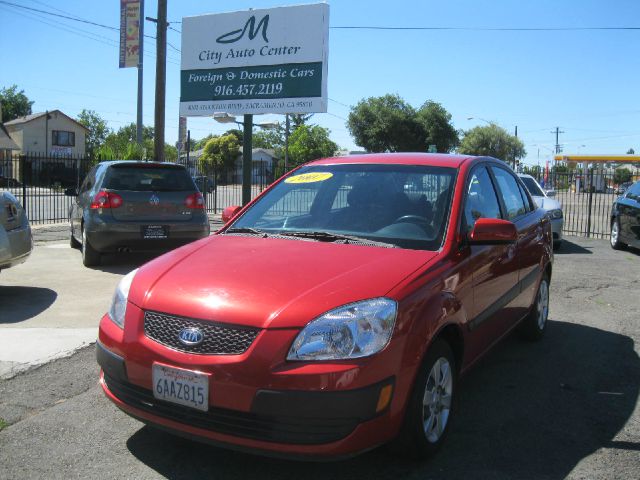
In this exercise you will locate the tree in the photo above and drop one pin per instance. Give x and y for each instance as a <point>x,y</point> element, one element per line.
<point>199,144</point>
<point>221,152</point>
<point>271,139</point>
<point>631,151</point>
<point>386,124</point>
<point>298,119</point>
<point>14,103</point>
<point>492,141</point>
<point>310,143</point>
<point>622,175</point>
<point>98,130</point>
<point>438,130</point>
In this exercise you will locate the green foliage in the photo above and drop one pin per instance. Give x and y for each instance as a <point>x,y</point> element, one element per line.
<point>170,153</point>
<point>133,151</point>
<point>386,124</point>
<point>299,119</point>
<point>199,145</point>
<point>98,130</point>
<point>239,134</point>
<point>3,423</point>
<point>308,143</point>
<point>622,175</point>
<point>492,141</point>
<point>631,151</point>
<point>271,139</point>
<point>437,127</point>
<point>14,103</point>
<point>220,152</point>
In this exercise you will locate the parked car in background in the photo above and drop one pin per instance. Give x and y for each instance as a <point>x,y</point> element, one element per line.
<point>550,205</point>
<point>125,206</point>
<point>625,219</point>
<point>16,241</point>
<point>335,313</point>
<point>8,182</point>
<point>204,184</point>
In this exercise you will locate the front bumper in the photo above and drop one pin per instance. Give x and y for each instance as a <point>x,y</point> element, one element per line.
<point>293,410</point>
<point>556,229</point>
<point>15,246</point>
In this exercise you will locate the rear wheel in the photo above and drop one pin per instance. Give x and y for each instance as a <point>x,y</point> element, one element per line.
<point>90,256</point>
<point>430,407</point>
<point>533,326</point>
<point>616,244</point>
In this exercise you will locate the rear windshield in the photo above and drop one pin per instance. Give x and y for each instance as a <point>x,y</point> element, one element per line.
<point>141,178</point>
<point>532,186</point>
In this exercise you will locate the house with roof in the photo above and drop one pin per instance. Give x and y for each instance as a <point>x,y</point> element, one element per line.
<point>263,163</point>
<point>51,133</point>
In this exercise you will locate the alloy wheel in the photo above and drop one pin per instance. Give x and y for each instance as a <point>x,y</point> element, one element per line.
<point>614,233</point>
<point>436,402</point>
<point>543,304</point>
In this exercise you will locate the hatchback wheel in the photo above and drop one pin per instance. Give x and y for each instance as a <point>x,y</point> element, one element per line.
<point>90,256</point>
<point>430,408</point>
<point>616,244</point>
<point>534,324</point>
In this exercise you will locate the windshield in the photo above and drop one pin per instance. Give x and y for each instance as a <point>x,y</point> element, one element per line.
<point>532,186</point>
<point>403,206</point>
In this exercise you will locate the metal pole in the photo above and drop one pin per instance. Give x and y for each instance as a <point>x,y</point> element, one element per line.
<point>590,202</point>
<point>46,131</point>
<point>161,78</point>
<point>286,145</point>
<point>140,64</point>
<point>247,158</point>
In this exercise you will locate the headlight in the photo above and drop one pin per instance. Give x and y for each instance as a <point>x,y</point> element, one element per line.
<point>352,331</point>
<point>557,213</point>
<point>119,302</point>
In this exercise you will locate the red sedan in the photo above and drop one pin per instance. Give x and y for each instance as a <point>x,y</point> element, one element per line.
<point>337,311</point>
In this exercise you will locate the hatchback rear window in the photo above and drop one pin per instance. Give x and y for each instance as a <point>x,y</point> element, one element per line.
<point>148,179</point>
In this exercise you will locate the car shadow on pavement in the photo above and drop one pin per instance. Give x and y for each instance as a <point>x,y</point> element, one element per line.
<point>529,411</point>
<point>123,263</point>
<point>569,247</point>
<point>18,304</point>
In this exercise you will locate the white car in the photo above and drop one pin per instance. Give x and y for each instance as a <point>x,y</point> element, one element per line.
<point>551,205</point>
<point>16,241</point>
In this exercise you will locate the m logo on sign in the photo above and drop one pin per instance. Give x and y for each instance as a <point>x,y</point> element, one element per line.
<point>236,35</point>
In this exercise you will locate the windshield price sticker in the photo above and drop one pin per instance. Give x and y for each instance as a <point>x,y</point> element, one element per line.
<point>309,177</point>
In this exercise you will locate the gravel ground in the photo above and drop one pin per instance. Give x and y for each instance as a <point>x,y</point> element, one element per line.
<point>566,407</point>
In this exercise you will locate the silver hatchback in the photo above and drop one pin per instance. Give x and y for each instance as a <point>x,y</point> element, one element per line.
<point>126,206</point>
<point>16,241</point>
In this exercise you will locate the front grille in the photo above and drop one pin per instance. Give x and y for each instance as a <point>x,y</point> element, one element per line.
<point>293,430</point>
<point>219,339</point>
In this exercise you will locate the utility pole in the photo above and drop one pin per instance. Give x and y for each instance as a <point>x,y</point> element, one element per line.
<point>140,64</point>
<point>247,159</point>
<point>558,147</point>
<point>161,79</point>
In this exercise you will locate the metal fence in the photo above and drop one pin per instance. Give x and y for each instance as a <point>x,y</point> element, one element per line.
<point>39,181</point>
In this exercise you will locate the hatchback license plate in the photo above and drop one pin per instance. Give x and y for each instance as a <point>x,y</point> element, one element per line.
<point>155,231</point>
<point>184,387</point>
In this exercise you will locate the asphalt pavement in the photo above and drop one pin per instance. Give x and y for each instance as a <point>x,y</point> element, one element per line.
<point>564,407</point>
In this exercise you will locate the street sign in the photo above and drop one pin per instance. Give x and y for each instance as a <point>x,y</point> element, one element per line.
<point>255,61</point>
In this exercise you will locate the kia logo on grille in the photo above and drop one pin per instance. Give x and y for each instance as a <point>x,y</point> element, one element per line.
<point>191,336</point>
<point>154,200</point>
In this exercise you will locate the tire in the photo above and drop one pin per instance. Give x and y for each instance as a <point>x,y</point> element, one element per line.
<point>431,405</point>
<point>614,239</point>
<point>73,243</point>
<point>557,245</point>
<point>534,324</point>
<point>90,256</point>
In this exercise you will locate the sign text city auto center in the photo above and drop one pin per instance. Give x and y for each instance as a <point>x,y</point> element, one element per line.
<point>257,61</point>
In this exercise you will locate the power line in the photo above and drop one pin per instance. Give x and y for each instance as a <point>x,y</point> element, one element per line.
<point>485,29</point>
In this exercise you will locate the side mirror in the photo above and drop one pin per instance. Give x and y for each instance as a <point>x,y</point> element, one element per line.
<point>71,192</point>
<point>493,231</point>
<point>230,212</point>
<point>550,193</point>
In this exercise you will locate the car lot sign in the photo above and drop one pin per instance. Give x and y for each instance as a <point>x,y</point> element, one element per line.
<point>256,61</point>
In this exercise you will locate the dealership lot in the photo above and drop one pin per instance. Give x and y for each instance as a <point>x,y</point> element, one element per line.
<point>564,407</point>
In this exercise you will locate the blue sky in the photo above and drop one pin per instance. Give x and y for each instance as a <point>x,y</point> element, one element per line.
<point>584,81</point>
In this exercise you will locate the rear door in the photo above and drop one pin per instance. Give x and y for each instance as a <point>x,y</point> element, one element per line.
<point>151,193</point>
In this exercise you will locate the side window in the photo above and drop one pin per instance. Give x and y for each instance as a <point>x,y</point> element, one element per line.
<point>525,198</point>
<point>510,193</point>
<point>481,200</point>
<point>633,192</point>
<point>88,181</point>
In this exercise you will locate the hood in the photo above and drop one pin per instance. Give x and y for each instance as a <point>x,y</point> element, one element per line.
<point>268,282</point>
<point>547,203</point>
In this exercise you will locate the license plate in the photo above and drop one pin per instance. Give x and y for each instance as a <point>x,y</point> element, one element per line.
<point>183,387</point>
<point>155,231</point>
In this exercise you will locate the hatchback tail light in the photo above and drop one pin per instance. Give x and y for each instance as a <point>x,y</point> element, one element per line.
<point>106,200</point>
<point>195,200</point>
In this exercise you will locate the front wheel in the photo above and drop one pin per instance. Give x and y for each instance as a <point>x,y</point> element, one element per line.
<point>430,407</point>
<point>534,325</point>
<point>616,244</point>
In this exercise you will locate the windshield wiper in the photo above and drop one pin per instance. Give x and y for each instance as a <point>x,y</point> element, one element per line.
<point>334,237</point>
<point>249,230</point>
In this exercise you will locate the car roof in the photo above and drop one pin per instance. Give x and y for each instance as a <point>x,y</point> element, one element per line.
<point>432,159</point>
<point>140,162</point>
<point>525,175</point>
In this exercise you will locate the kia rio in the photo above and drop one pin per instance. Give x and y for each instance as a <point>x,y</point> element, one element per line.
<point>335,312</point>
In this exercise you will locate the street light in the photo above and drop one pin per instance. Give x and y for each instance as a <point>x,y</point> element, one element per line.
<point>482,119</point>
